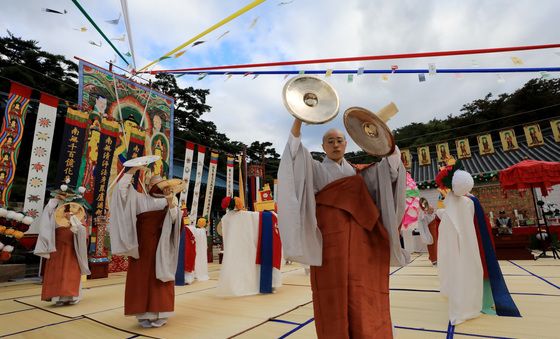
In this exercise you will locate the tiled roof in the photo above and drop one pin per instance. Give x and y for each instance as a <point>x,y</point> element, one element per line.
<point>499,160</point>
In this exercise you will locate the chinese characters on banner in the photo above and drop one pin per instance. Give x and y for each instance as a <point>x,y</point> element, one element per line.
<point>73,141</point>
<point>210,184</point>
<point>229,176</point>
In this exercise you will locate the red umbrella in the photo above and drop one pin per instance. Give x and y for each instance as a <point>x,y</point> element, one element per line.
<point>531,174</point>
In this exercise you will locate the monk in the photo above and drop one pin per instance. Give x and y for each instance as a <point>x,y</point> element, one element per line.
<point>428,223</point>
<point>65,249</point>
<point>143,227</point>
<point>344,224</point>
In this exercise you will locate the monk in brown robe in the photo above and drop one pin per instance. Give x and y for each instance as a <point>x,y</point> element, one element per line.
<point>64,247</point>
<point>143,227</point>
<point>344,224</point>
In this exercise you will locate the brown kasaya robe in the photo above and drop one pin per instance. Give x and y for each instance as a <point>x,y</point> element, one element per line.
<point>351,288</point>
<point>62,272</point>
<point>143,291</point>
<point>432,249</point>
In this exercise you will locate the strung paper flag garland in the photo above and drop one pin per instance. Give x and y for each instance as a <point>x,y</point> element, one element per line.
<point>421,77</point>
<point>350,78</point>
<point>394,68</point>
<point>114,21</point>
<point>81,29</point>
<point>328,73</point>
<point>121,38</point>
<point>517,61</point>
<point>360,71</point>
<point>198,43</point>
<point>94,43</point>
<point>432,69</point>
<point>48,10</point>
<point>283,3</point>
<point>384,78</point>
<point>178,54</point>
<point>223,35</point>
<point>254,23</point>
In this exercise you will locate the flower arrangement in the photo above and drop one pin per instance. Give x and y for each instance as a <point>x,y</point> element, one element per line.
<point>232,204</point>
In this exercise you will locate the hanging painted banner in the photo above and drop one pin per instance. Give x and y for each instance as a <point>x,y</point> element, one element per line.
<point>555,125</point>
<point>132,105</point>
<point>212,169</point>
<point>10,137</point>
<point>442,151</point>
<point>187,167</point>
<point>90,155</point>
<point>107,144</point>
<point>39,162</point>
<point>463,148</point>
<point>533,135</point>
<point>424,155</point>
<point>73,142</point>
<point>198,180</point>
<point>229,176</point>
<point>485,144</point>
<point>136,149</point>
<point>509,141</point>
<point>406,158</point>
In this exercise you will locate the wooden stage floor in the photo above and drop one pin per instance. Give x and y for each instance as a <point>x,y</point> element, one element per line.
<point>417,309</point>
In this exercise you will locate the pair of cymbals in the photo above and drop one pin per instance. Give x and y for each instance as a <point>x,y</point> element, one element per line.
<point>314,101</point>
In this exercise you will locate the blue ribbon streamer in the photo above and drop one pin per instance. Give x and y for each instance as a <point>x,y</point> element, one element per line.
<point>180,273</point>
<point>505,306</point>
<point>266,252</point>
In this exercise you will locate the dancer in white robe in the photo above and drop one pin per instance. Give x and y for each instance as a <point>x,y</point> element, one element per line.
<point>459,266</point>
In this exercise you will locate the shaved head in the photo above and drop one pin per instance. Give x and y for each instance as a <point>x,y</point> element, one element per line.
<point>334,144</point>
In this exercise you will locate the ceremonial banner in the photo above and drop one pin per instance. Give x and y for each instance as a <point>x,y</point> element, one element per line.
<point>187,167</point>
<point>210,184</point>
<point>442,151</point>
<point>136,149</point>
<point>555,125</point>
<point>509,141</point>
<point>424,155</point>
<point>198,179</point>
<point>39,162</point>
<point>463,148</point>
<point>132,105</point>
<point>10,137</point>
<point>229,176</point>
<point>72,146</point>
<point>89,157</point>
<point>107,142</point>
<point>406,158</point>
<point>533,135</point>
<point>485,144</point>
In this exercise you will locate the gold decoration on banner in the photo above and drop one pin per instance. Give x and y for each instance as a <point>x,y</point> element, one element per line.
<point>442,151</point>
<point>424,155</point>
<point>509,140</point>
<point>463,148</point>
<point>533,135</point>
<point>485,144</point>
<point>555,125</point>
<point>406,158</point>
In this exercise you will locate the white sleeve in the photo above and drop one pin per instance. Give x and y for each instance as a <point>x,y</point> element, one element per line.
<point>294,143</point>
<point>395,159</point>
<point>123,185</point>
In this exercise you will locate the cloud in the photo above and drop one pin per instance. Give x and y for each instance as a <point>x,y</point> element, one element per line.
<point>249,110</point>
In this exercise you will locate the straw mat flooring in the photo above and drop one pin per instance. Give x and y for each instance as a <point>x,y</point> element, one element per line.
<point>417,308</point>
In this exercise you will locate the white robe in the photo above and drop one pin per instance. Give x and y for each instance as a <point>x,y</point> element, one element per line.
<point>459,266</point>
<point>240,275</point>
<point>300,177</point>
<point>126,204</point>
<point>424,220</point>
<point>201,261</point>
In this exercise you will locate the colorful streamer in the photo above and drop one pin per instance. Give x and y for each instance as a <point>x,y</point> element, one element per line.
<point>210,182</point>
<point>187,167</point>
<point>229,176</point>
<point>379,71</point>
<point>40,157</point>
<point>10,137</point>
<point>197,182</point>
<point>208,30</point>
<point>365,58</point>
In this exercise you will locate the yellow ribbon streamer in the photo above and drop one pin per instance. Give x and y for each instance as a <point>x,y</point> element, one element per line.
<point>210,29</point>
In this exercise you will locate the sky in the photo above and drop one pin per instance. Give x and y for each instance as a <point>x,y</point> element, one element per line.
<point>248,109</point>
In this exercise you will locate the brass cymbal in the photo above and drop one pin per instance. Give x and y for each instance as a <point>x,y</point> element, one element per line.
<point>310,99</point>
